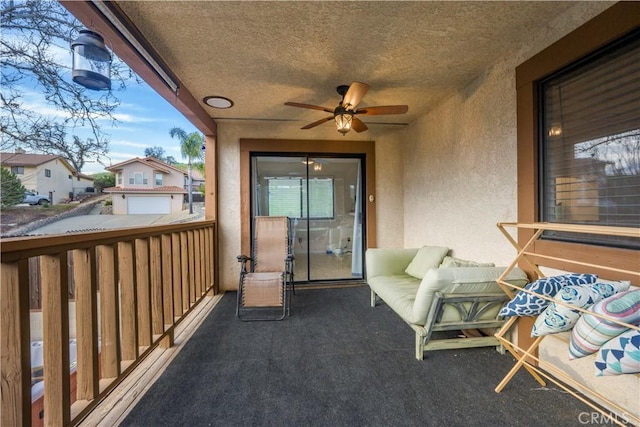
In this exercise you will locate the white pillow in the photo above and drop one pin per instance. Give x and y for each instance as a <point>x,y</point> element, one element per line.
<point>427,257</point>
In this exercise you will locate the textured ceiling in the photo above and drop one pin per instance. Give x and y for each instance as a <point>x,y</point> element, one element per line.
<point>262,54</point>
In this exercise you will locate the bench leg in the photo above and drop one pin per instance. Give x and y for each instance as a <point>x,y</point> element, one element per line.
<point>419,347</point>
<point>373,298</point>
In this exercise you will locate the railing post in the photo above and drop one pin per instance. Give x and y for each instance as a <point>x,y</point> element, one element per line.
<point>109,322</point>
<point>14,348</point>
<point>167,287</point>
<point>191,258</point>
<point>143,292</point>
<point>85,278</point>
<point>184,271</point>
<point>197,258</point>
<point>157,321</point>
<point>177,275</point>
<point>126,275</point>
<point>55,328</point>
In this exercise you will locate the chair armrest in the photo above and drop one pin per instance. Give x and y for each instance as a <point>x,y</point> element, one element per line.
<point>388,261</point>
<point>243,260</point>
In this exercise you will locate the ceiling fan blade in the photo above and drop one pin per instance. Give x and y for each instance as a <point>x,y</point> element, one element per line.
<point>313,107</point>
<point>354,95</point>
<point>319,122</point>
<point>358,125</point>
<point>387,109</point>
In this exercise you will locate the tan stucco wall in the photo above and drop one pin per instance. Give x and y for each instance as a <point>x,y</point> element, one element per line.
<point>229,135</point>
<point>460,159</point>
<point>446,179</point>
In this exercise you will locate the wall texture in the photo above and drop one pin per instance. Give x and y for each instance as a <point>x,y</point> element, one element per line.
<point>460,158</point>
<point>446,179</point>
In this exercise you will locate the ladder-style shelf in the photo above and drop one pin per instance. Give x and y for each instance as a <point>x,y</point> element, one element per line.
<point>526,358</point>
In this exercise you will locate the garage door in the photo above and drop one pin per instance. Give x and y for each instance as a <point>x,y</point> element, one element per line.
<point>148,205</point>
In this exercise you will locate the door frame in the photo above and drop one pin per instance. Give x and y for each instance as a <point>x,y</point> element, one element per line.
<point>319,147</point>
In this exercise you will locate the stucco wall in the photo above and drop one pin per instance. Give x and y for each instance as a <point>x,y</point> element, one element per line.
<point>388,193</point>
<point>460,175</point>
<point>446,179</point>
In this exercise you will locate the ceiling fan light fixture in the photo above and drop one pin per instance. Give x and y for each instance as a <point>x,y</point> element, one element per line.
<point>343,121</point>
<point>218,102</point>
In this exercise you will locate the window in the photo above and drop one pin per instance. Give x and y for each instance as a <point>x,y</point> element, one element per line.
<point>615,23</point>
<point>70,177</point>
<point>47,173</point>
<point>159,177</point>
<point>288,197</point>
<point>119,178</point>
<point>590,143</point>
<point>137,179</point>
<point>18,170</point>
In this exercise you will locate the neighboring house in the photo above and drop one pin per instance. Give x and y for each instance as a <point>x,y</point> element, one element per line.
<point>46,174</point>
<point>146,186</point>
<point>197,177</point>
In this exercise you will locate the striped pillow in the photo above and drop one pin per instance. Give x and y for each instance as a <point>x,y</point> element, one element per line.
<point>591,332</point>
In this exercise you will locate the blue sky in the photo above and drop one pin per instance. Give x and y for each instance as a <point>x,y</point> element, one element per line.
<point>143,117</point>
<point>144,120</point>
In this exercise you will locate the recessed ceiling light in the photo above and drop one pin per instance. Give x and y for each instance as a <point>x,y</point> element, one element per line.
<point>218,102</point>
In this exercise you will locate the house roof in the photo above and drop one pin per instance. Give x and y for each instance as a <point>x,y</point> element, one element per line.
<point>164,189</point>
<point>26,159</point>
<point>34,160</point>
<point>149,161</point>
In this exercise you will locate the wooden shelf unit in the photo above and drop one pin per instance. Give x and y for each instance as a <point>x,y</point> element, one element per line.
<point>527,358</point>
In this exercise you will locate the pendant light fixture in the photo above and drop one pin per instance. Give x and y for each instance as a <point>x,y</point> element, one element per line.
<point>91,61</point>
<point>343,119</point>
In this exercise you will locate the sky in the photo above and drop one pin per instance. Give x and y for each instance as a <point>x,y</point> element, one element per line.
<point>144,120</point>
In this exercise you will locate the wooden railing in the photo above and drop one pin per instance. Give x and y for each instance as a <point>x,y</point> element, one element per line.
<point>131,288</point>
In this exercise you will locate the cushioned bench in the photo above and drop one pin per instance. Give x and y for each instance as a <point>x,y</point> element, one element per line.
<point>430,296</point>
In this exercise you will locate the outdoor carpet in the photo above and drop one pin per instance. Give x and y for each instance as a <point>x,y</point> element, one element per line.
<point>338,362</point>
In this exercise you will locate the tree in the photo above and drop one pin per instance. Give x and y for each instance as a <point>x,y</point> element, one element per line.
<point>35,54</point>
<point>158,153</point>
<point>11,189</point>
<point>190,148</point>
<point>103,180</point>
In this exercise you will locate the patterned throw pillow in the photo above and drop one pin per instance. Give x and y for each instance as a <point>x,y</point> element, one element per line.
<point>559,318</point>
<point>525,304</point>
<point>591,332</point>
<point>620,355</point>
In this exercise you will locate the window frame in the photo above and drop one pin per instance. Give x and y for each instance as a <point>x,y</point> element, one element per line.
<point>544,146</point>
<point>17,170</point>
<point>47,173</point>
<point>604,29</point>
<point>159,182</point>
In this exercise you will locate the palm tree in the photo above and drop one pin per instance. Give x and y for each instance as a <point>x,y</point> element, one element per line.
<point>191,148</point>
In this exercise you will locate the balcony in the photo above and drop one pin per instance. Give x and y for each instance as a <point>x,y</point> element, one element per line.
<point>112,303</point>
<point>102,302</point>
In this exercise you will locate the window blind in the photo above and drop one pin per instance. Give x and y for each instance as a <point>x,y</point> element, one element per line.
<point>590,142</point>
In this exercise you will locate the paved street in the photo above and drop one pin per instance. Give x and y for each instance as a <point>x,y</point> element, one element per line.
<point>99,222</point>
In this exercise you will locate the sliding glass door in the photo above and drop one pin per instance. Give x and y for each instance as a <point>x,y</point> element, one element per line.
<point>322,196</point>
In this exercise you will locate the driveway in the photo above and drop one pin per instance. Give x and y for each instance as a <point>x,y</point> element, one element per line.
<point>100,222</point>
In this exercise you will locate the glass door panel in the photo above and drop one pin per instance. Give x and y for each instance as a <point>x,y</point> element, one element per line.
<point>322,196</point>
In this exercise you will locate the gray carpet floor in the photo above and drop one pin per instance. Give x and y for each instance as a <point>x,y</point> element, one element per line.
<point>338,362</point>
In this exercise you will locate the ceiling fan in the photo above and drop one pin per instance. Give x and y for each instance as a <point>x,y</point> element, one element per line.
<point>345,113</point>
